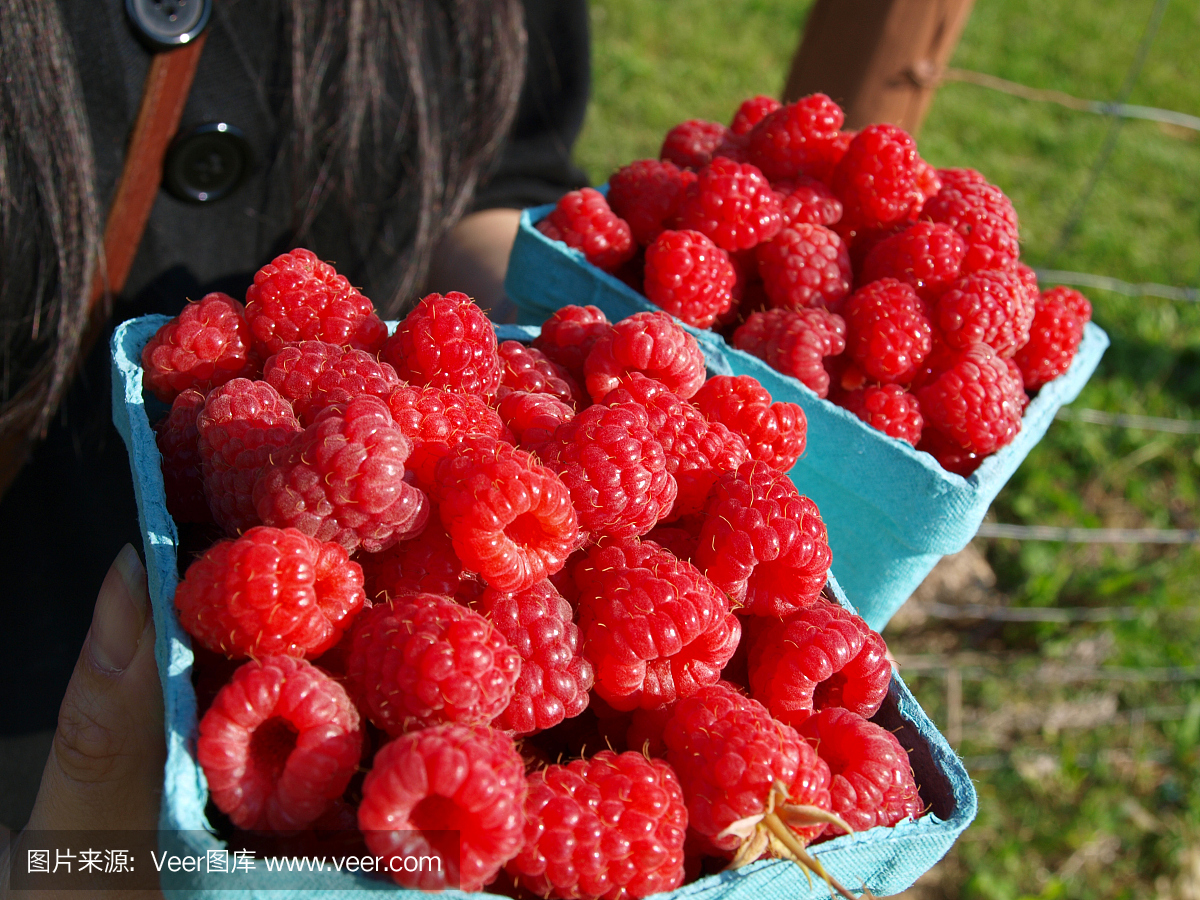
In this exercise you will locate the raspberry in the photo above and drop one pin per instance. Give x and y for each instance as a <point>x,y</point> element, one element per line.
<point>510,518</point>
<point>807,201</point>
<point>555,677</point>
<point>436,421</point>
<point>296,297</point>
<point>615,469</point>
<point>1054,338</point>
<point>888,408</point>
<point>926,256</point>
<point>751,112</point>
<point>242,424</point>
<point>775,433</point>
<point>985,218</point>
<point>583,220</point>
<point>610,827</point>
<point>646,194</point>
<point>690,144</point>
<point>529,369</point>
<point>990,307</point>
<point>798,139</point>
<point>738,768</point>
<point>207,344</point>
<point>182,466</point>
<point>342,480</point>
<point>877,179</point>
<point>689,276</point>
<point>270,591</point>
<point>650,343</point>
<point>279,744</point>
<point>975,401</point>
<point>450,791</point>
<point>949,454</point>
<point>1075,301</point>
<point>679,541</point>
<point>654,627</point>
<point>533,418</point>
<point>427,565</point>
<point>567,337</point>
<point>805,265</point>
<point>422,659</point>
<point>819,657</point>
<point>446,342</point>
<point>762,542</point>
<point>314,374</point>
<point>733,204</point>
<point>872,781</point>
<point>888,334</point>
<point>794,342</point>
<point>956,179</point>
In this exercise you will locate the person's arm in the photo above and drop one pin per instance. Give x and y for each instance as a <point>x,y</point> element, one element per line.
<point>473,258</point>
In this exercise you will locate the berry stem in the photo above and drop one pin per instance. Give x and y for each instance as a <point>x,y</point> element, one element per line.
<point>788,839</point>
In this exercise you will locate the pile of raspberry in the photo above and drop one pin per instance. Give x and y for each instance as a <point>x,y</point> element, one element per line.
<point>463,567</point>
<point>842,259</point>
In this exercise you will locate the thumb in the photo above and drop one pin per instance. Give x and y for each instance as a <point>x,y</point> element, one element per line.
<point>105,767</point>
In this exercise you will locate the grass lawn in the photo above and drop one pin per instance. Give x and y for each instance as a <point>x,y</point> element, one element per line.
<point>1089,786</point>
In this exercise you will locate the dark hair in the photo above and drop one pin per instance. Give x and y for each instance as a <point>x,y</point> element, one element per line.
<point>393,104</point>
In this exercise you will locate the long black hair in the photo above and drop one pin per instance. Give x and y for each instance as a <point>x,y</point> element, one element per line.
<point>423,88</point>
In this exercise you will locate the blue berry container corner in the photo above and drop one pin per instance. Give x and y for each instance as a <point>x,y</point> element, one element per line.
<point>892,512</point>
<point>882,860</point>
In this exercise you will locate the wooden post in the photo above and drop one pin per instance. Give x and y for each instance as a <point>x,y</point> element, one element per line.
<point>880,59</point>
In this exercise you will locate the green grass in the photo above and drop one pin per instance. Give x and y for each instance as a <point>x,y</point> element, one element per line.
<point>1111,809</point>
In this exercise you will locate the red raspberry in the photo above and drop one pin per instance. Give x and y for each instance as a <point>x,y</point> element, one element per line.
<point>555,677</point>
<point>271,591</point>
<point>436,421</point>
<point>805,265</point>
<point>807,201</point>
<point>242,424</point>
<point>733,204</point>
<point>926,256</point>
<point>690,144</point>
<point>1054,338</point>
<point>446,342</point>
<point>608,827</point>
<point>533,418</point>
<point>615,469</point>
<point>739,767</point>
<point>529,369</point>
<point>583,220</point>
<point>1075,301</point>
<point>949,454</point>
<point>646,194</point>
<point>762,542</point>
<point>314,374</point>
<point>819,657</point>
<point>983,215</point>
<point>888,334</point>
<point>567,337</point>
<point>975,401</point>
<point>207,344</point>
<point>872,780</point>
<point>449,791</point>
<point>798,139</point>
<point>342,480</point>
<point>296,297</point>
<point>650,343</point>
<point>653,626</point>
<point>510,518</point>
<point>888,408</point>
<point>956,179</point>
<point>424,565</point>
<point>752,111</point>
<point>182,465</point>
<point>794,342</point>
<point>679,541</point>
<point>990,307</point>
<point>877,179</point>
<point>279,744</point>
<point>689,276</point>
<point>775,433</point>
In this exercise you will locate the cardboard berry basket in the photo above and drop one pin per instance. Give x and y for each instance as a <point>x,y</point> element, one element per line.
<point>883,860</point>
<point>892,512</point>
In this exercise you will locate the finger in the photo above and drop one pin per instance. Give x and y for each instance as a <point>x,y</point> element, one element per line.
<point>106,762</point>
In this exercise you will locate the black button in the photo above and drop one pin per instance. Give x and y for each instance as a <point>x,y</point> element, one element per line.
<point>206,163</point>
<point>164,24</point>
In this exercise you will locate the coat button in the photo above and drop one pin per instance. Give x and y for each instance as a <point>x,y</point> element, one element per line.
<point>164,24</point>
<point>206,163</point>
